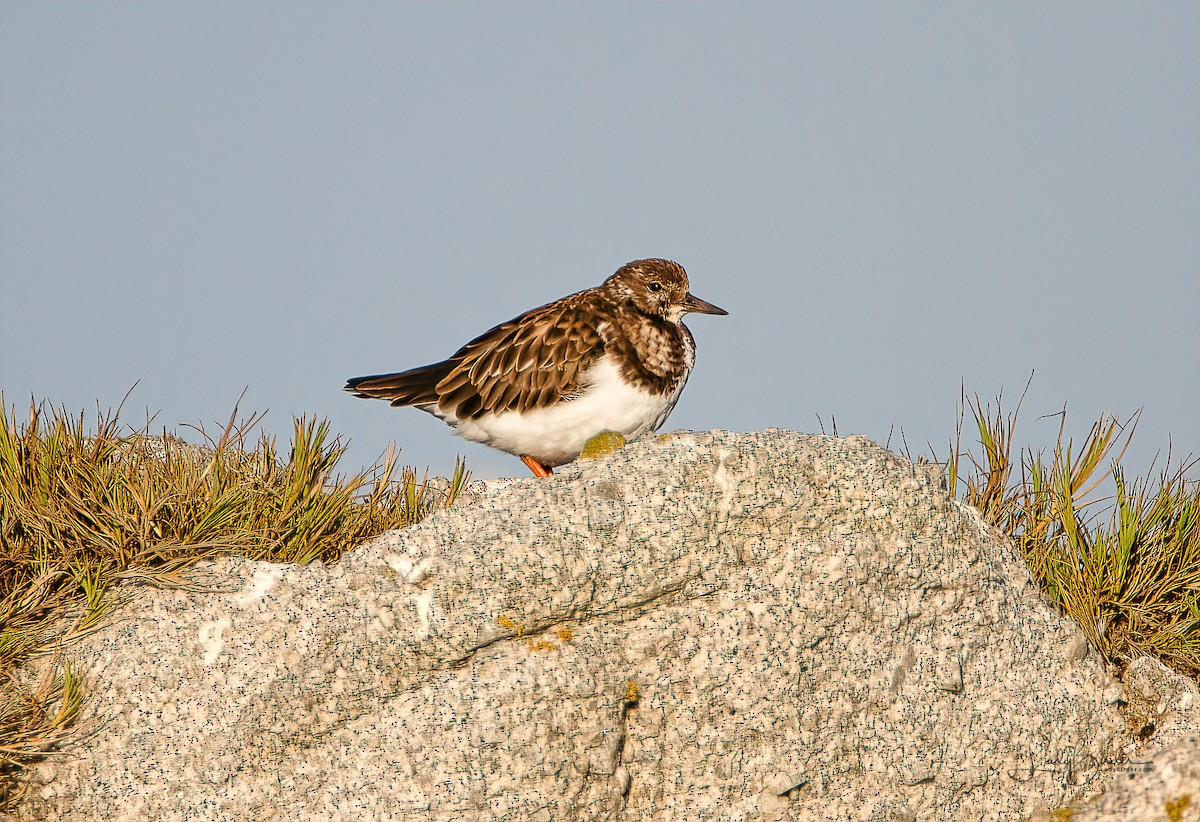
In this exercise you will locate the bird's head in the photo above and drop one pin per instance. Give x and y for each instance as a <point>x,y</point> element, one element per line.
<point>658,288</point>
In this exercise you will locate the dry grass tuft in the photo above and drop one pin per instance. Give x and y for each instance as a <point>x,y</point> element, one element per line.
<point>1125,567</point>
<point>81,512</point>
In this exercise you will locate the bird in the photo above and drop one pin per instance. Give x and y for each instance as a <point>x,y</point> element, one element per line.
<point>610,358</point>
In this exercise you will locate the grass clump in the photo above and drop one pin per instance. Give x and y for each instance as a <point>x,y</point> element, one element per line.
<point>82,511</point>
<point>1125,567</point>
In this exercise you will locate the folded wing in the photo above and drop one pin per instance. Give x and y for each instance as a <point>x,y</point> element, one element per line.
<point>532,361</point>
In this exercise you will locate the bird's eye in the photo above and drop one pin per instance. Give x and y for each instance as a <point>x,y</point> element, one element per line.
<point>655,287</point>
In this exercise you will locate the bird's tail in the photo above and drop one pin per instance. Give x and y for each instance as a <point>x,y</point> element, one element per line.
<point>415,387</point>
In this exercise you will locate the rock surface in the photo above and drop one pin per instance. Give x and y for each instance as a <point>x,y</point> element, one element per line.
<point>1166,787</point>
<point>1163,782</point>
<point>703,626</point>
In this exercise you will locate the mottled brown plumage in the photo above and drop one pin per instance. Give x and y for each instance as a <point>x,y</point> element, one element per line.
<point>546,356</point>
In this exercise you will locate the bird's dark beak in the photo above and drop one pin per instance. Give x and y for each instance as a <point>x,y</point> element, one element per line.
<point>695,305</point>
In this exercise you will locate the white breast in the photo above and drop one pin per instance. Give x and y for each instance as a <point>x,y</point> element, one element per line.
<point>556,435</point>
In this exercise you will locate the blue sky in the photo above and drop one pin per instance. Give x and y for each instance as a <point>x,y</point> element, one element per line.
<point>892,200</point>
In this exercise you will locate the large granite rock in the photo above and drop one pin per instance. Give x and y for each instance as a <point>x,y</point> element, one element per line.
<point>703,626</point>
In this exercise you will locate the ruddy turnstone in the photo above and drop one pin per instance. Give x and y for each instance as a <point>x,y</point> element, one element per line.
<point>611,358</point>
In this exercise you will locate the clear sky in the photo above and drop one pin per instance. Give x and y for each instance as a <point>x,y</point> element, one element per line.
<point>891,199</point>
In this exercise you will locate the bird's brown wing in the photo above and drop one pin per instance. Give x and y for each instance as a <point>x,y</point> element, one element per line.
<point>532,361</point>
<point>415,387</point>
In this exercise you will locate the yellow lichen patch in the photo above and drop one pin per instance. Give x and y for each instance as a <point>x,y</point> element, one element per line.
<point>1175,808</point>
<point>1063,814</point>
<point>565,634</point>
<point>543,645</point>
<point>602,445</point>
<point>664,437</point>
<point>509,625</point>
<point>631,692</point>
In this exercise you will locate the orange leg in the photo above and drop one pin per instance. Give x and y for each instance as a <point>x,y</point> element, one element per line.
<point>537,468</point>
